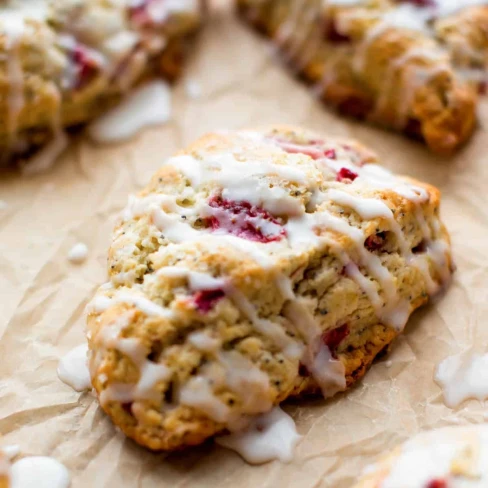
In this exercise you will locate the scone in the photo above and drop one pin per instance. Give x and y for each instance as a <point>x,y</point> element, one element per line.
<point>412,66</point>
<point>451,457</point>
<point>256,266</point>
<point>63,62</point>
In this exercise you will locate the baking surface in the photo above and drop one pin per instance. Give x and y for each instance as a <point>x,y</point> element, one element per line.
<point>43,295</point>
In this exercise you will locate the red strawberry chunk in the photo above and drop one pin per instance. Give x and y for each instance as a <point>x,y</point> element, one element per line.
<point>437,483</point>
<point>206,299</point>
<point>314,149</point>
<point>334,337</point>
<point>244,220</point>
<point>330,153</point>
<point>346,174</point>
<point>375,242</point>
<point>86,64</point>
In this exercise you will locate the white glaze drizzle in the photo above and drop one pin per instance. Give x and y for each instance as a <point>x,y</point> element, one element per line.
<point>160,10</point>
<point>272,330</point>
<point>197,281</point>
<point>269,436</point>
<point>146,106</point>
<point>38,472</point>
<point>225,170</point>
<point>233,372</point>
<point>204,342</point>
<point>101,303</point>
<point>457,456</point>
<point>198,392</point>
<point>138,207</point>
<point>78,253</point>
<point>463,376</point>
<point>73,368</point>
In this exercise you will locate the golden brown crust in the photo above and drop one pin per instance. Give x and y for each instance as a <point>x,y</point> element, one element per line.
<point>395,77</point>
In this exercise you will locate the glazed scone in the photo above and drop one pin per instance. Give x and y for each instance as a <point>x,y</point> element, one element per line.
<point>256,266</point>
<point>66,61</point>
<point>451,457</point>
<point>412,66</point>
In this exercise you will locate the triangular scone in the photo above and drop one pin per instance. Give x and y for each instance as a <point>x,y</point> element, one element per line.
<point>441,458</point>
<point>66,61</point>
<point>257,265</point>
<point>414,66</point>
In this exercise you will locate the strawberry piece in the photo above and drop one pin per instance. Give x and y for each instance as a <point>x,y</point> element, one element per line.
<point>334,337</point>
<point>244,220</point>
<point>314,149</point>
<point>206,299</point>
<point>330,153</point>
<point>87,66</point>
<point>309,150</point>
<point>346,174</point>
<point>437,483</point>
<point>375,241</point>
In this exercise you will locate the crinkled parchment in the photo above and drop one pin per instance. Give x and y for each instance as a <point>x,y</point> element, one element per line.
<point>43,295</point>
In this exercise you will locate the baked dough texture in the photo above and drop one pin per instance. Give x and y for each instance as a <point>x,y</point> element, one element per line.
<point>451,457</point>
<point>411,66</point>
<point>256,266</point>
<point>63,62</point>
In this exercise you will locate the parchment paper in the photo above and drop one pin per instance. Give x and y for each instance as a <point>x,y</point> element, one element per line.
<point>43,295</point>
